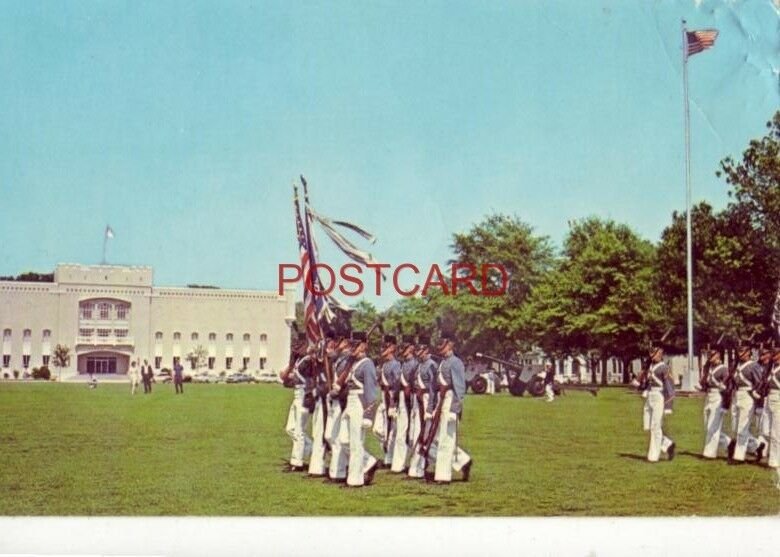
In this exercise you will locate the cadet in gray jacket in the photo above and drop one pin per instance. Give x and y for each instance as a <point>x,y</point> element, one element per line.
<point>452,388</point>
<point>747,379</point>
<point>714,386</point>
<point>422,408</point>
<point>361,384</point>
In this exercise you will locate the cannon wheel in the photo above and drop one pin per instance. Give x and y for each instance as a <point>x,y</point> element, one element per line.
<point>479,385</point>
<point>536,387</point>
<point>517,387</point>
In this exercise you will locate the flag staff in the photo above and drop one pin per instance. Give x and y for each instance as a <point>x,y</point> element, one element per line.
<point>690,375</point>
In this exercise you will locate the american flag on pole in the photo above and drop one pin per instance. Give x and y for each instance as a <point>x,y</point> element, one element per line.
<point>311,324</point>
<point>698,41</point>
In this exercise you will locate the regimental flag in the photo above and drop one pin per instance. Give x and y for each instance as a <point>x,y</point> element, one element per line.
<point>698,41</point>
<point>109,232</point>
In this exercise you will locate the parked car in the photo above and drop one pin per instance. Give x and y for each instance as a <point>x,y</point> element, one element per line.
<point>268,377</point>
<point>163,376</point>
<point>239,377</point>
<point>202,377</point>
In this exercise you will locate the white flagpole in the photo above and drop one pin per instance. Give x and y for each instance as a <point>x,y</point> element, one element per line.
<point>105,240</point>
<point>689,378</point>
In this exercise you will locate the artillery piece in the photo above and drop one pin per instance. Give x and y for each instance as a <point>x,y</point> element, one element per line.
<point>521,378</point>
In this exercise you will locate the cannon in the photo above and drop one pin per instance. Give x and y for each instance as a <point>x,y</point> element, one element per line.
<point>521,379</point>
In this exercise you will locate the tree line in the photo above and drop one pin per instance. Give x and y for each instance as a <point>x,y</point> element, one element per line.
<point>606,292</point>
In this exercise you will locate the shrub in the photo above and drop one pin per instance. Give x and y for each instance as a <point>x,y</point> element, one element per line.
<point>41,373</point>
<point>16,374</point>
<point>6,376</point>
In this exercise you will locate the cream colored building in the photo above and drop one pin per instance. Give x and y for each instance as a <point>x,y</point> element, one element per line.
<point>109,315</point>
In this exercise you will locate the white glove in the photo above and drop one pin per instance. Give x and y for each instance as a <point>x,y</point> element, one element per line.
<point>428,416</point>
<point>367,423</point>
<point>392,413</point>
<point>452,417</point>
<point>334,392</point>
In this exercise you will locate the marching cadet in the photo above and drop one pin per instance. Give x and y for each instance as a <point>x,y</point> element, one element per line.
<point>384,426</point>
<point>653,413</point>
<point>319,416</point>
<point>404,407</point>
<point>747,380</point>
<point>297,375</point>
<point>451,383</point>
<point>715,404</point>
<point>422,407</point>
<point>341,357</point>
<point>773,404</point>
<point>763,412</point>
<point>361,384</point>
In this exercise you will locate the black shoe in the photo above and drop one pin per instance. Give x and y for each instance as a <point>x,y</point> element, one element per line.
<point>466,470</point>
<point>760,451</point>
<point>292,468</point>
<point>670,451</point>
<point>428,477</point>
<point>732,446</point>
<point>368,477</point>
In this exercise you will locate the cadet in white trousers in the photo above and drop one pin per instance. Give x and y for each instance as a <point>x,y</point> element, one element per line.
<point>298,416</point>
<point>339,452</point>
<point>773,404</point>
<point>322,387</point>
<point>384,426</point>
<point>549,379</point>
<point>405,396</point>
<point>747,379</point>
<point>714,385</point>
<point>491,382</point>
<point>356,418</point>
<point>653,412</point>
<point>422,406</point>
<point>451,381</point>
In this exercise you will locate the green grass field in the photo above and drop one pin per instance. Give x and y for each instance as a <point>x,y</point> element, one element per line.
<point>219,450</point>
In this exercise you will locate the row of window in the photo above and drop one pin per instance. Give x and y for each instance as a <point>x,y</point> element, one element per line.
<point>103,310</point>
<point>26,334</point>
<point>25,361</point>
<point>212,336</point>
<point>103,333</point>
<point>157,362</point>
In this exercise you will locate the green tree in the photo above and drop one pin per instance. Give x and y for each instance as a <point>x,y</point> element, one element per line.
<point>598,298</point>
<point>197,357</point>
<point>756,183</point>
<point>60,359</point>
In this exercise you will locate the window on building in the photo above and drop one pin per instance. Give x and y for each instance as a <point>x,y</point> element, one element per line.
<point>158,335</point>
<point>7,334</point>
<point>104,333</point>
<point>176,360</point>
<point>246,337</point>
<point>46,361</point>
<point>194,336</point>
<point>176,336</point>
<point>229,337</point>
<point>25,362</point>
<point>86,332</point>
<point>212,336</point>
<point>245,363</point>
<point>211,362</point>
<point>262,363</point>
<point>6,360</point>
<point>104,310</point>
<point>121,311</point>
<point>86,311</point>
<point>228,363</point>
<point>120,333</point>
<point>157,362</point>
<point>263,338</point>
<point>46,334</point>
<point>27,334</point>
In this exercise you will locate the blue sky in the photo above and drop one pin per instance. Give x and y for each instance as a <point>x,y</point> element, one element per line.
<point>183,124</point>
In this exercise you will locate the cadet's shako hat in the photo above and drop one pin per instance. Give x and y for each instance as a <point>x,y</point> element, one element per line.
<point>654,349</point>
<point>357,337</point>
<point>744,349</point>
<point>712,353</point>
<point>389,341</point>
<point>766,352</point>
<point>444,340</point>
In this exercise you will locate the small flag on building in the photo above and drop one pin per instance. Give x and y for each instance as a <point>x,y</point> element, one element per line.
<point>109,232</point>
<point>698,41</point>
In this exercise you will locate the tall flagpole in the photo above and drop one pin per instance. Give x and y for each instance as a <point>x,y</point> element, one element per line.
<point>689,378</point>
<point>105,240</point>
